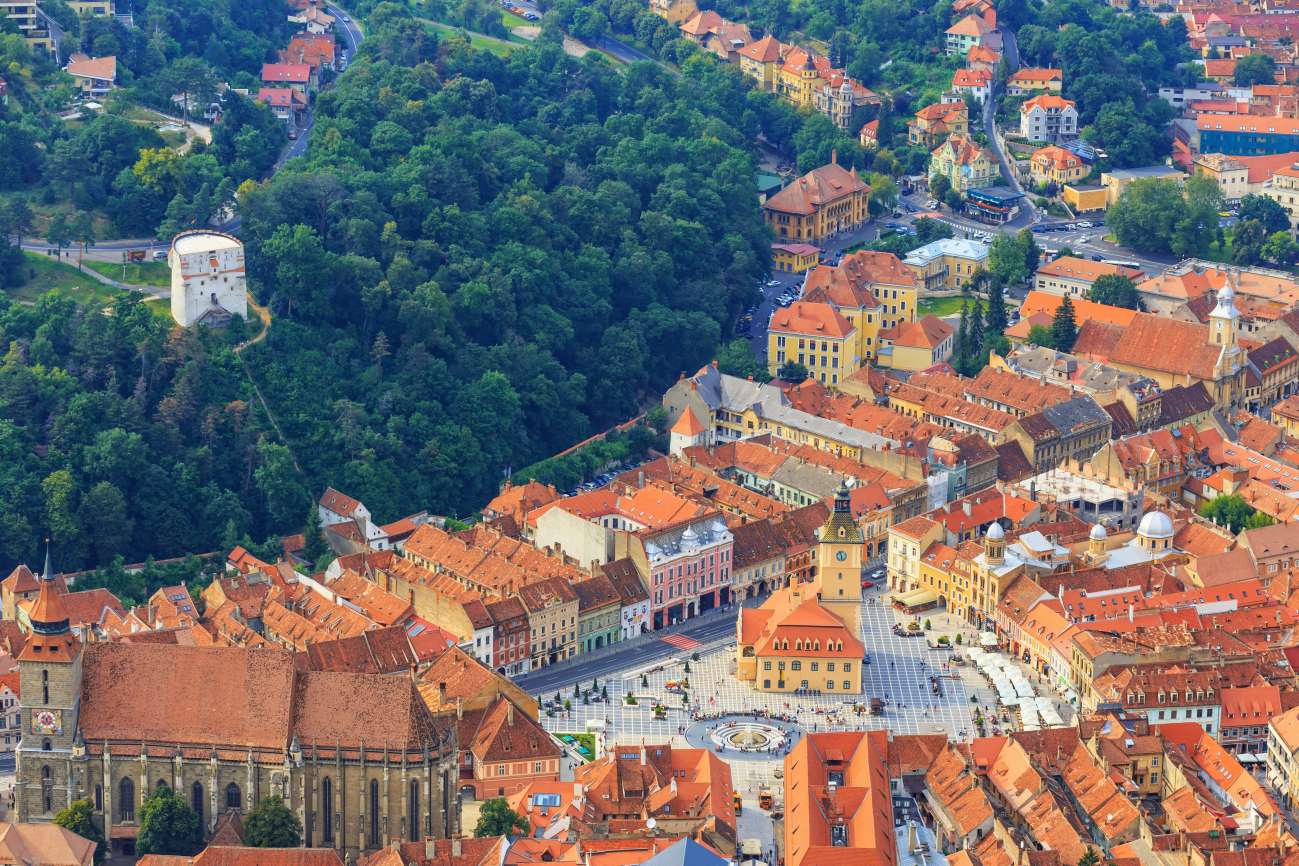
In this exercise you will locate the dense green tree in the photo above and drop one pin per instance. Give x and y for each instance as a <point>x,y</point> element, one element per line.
<point>313,537</point>
<point>1254,69</point>
<point>1064,326</point>
<point>1233,512</point>
<point>271,824</point>
<point>736,358</point>
<point>1247,240</point>
<point>1040,335</point>
<point>1116,290</point>
<point>1266,210</point>
<point>79,818</point>
<point>792,371</point>
<point>1280,249</point>
<point>168,825</point>
<point>496,818</point>
<point>1148,215</point>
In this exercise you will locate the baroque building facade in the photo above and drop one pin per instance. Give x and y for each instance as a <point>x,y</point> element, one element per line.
<point>358,757</point>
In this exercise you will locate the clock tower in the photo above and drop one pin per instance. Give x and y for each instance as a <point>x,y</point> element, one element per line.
<point>839,563</point>
<point>49,675</point>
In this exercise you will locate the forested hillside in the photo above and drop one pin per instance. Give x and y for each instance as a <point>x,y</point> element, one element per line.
<point>481,262</point>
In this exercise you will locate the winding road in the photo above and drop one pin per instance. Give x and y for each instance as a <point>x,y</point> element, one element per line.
<point>1027,214</point>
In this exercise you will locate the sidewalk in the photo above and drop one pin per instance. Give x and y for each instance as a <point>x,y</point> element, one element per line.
<point>630,646</point>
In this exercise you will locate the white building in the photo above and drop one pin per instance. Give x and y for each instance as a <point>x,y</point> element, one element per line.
<point>208,284</point>
<point>1048,118</point>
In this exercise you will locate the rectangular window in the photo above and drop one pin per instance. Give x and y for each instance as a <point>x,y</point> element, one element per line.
<point>766,666</point>
<point>829,666</point>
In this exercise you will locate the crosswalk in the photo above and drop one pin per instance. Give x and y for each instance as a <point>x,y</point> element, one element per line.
<point>680,641</point>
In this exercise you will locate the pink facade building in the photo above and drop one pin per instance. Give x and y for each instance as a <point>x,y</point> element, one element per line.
<point>690,569</point>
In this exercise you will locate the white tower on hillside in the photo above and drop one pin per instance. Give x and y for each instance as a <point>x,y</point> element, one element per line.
<point>208,285</point>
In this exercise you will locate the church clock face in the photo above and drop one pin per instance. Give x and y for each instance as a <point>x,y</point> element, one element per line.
<point>47,722</point>
<point>841,555</point>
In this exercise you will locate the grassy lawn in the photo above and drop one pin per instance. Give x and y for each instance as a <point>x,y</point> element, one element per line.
<point>500,47</point>
<point>941,306</point>
<point>45,274</point>
<point>510,20</point>
<point>160,307</point>
<point>155,274</point>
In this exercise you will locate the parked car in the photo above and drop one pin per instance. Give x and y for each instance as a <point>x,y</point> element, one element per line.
<point>347,20</point>
<point>160,255</point>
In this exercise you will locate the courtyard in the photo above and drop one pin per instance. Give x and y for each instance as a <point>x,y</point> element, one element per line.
<point>899,673</point>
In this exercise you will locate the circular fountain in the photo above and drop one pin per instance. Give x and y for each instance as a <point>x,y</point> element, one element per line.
<point>748,737</point>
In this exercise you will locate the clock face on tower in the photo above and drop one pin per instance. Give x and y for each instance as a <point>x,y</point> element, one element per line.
<point>841,555</point>
<point>47,722</point>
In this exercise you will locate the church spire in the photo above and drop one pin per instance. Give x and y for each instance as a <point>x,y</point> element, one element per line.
<point>48,616</point>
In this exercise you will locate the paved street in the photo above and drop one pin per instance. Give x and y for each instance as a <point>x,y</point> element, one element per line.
<point>710,628</point>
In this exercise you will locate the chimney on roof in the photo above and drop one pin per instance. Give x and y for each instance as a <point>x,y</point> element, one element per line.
<point>834,156</point>
<point>642,755</point>
<point>430,849</point>
<point>460,710</point>
<point>965,506</point>
<point>1132,617</point>
<point>509,713</point>
<point>455,848</point>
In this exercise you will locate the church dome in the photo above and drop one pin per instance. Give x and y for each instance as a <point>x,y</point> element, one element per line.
<point>1156,525</point>
<point>1098,533</point>
<point>995,533</point>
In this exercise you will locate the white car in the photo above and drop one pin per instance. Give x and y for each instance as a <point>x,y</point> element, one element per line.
<point>932,203</point>
<point>1084,225</point>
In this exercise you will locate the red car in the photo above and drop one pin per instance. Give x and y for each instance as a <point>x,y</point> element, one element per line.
<point>867,583</point>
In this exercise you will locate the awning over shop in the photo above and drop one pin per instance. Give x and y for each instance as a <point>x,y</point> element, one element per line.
<point>916,597</point>
<point>988,639</point>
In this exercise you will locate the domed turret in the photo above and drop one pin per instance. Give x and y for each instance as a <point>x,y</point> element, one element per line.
<point>1155,532</point>
<point>1096,542</point>
<point>994,544</point>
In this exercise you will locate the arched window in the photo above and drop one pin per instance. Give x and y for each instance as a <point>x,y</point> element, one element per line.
<point>233,798</point>
<point>161,785</point>
<point>374,814</point>
<point>126,800</point>
<point>327,806</point>
<point>47,789</point>
<point>45,688</point>
<point>99,798</point>
<point>45,745</point>
<point>196,800</point>
<point>413,818</point>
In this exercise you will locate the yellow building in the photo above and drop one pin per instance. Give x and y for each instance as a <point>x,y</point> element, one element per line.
<point>760,60</point>
<point>1286,416</point>
<point>806,636</point>
<point>23,17</point>
<point>92,8</point>
<point>915,346</point>
<point>822,202</point>
<point>816,336</point>
<point>872,290</point>
<point>799,77</point>
<point>1085,199</point>
<point>966,165</point>
<point>794,258</point>
<point>676,12</point>
<point>1055,165</point>
<point>947,264</point>
<point>1283,756</point>
<point>1035,81</point>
